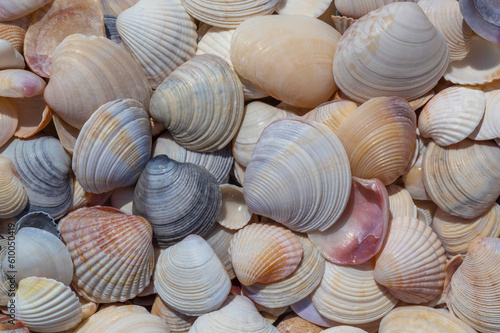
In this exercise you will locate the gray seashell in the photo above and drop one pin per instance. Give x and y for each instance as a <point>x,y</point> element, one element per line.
<point>110,27</point>
<point>178,199</point>
<point>39,220</point>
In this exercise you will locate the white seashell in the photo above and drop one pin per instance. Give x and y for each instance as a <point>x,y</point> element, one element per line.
<point>8,119</point>
<point>13,9</point>
<point>234,213</point>
<point>122,198</point>
<point>9,57</point>
<point>314,8</point>
<point>413,180</point>
<point>238,173</point>
<point>400,202</point>
<point>115,7</point>
<point>19,83</point>
<point>13,197</point>
<point>489,127</point>
<point>358,8</point>
<point>176,321</point>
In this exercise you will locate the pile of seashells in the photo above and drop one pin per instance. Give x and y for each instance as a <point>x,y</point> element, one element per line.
<point>215,166</point>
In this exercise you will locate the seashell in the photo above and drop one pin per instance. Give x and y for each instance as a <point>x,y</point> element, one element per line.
<point>186,268</point>
<point>344,329</point>
<point>411,263</point>
<point>421,319</point>
<point>122,199</point>
<point>212,103</point>
<point>92,66</point>
<point>13,9</point>
<point>472,293</point>
<point>332,113</point>
<point>33,116</point>
<point>176,321</point>
<point>234,213</point>
<point>358,8</point>
<point>115,7</point>
<point>294,324</point>
<point>350,295</point>
<point>67,134</point>
<point>178,199</point>
<point>8,119</point>
<point>452,115</point>
<point>13,197</point>
<point>270,314</point>
<point>7,324</point>
<point>225,14</point>
<point>110,29</point>
<point>9,57</point>
<point>306,191</point>
<point>238,173</point>
<point>462,179</point>
<point>342,23</point>
<point>257,117</point>
<point>220,239</point>
<point>14,32</point>
<point>218,163</point>
<point>46,305</point>
<point>292,39</point>
<point>38,220</point>
<point>202,30</point>
<point>313,8</point>
<point>160,35</point>
<point>489,126</point>
<point>237,314</point>
<point>426,211</point>
<point>19,83</point>
<point>382,69</point>
<point>380,130</point>
<point>280,253</point>
<point>414,182</point>
<point>456,233</point>
<point>360,231</point>
<point>294,287</point>
<point>400,202</point>
<point>294,109</point>
<point>483,17</point>
<point>88,308</point>
<point>421,101</point>
<point>113,147</point>
<point>104,274</point>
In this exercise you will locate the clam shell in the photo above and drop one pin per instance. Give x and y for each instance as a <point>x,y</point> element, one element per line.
<point>160,35</point>
<point>483,17</point>
<point>401,202</point>
<point>414,182</point>
<point>112,253</point>
<point>314,8</point>
<point>358,8</point>
<point>211,97</point>
<point>234,213</point>
<point>13,197</point>
<point>33,116</point>
<point>39,220</point>
<point>19,83</point>
<point>67,134</point>
<point>13,9</point>
<point>8,119</point>
<point>176,321</point>
<point>9,57</point>
<point>122,199</point>
<point>489,127</point>
<point>220,239</point>
<point>14,32</point>
<point>332,113</point>
<point>186,268</point>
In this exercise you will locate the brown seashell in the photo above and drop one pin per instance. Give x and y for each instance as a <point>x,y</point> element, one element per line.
<point>294,324</point>
<point>33,116</point>
<point>332,113</point>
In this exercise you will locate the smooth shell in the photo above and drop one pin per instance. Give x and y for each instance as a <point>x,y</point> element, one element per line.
<point>19,83</point>
<point>8,119</point>
<point>234,213</point>
<point>13,9</point>
<point>9,57</point>
<point>359,8</point>
<point>483,18</point>
<point>33,116</point>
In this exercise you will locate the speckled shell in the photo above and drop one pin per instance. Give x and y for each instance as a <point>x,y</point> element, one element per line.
<point>19,83</point>
<point>13,197</point>
<point>332,113</point>
<point>220,239</point>
<point>176,321</point>
<point>13,9</point>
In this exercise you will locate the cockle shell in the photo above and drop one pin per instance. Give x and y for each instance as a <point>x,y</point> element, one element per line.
<point>400,202</point>
<point>33,116</point>
<point>112,253</point>
<point>234,213</point>
<point>483,18</point>
<point>200,103</point>
<point>489,127</point>
<point>67,134</point>
<point>305,47</point>
<point>295,324</point>
<point>46,305</point>
<point>358,8</point>
<point>9,57</point>
<point>332,113</point>
<point>176,321</point>
<point>87,72</point>
<point>186,268</point>
<point>220,239</point>
<point>159,34</point>
<point>306,191</point>
<point>13,9</point>
<point>314,8</point>
<point>14,32</point>
<point>8,119</point>
<point>19,83</point>
<point>113,146</point>
<point>374,56</point>
<point>13,197</point>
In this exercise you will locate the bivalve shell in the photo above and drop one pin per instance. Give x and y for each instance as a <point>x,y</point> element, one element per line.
<point>234,213</point>
<point>19,83</point>
<point>115,7</point>
<point>9,57</point>
<point>33,116</point>
<point>314,8</point>
<point>483,17</point>
<point>123,199</point>
<point>67,134</point>
<point>8,119</point>
<point>13,9</point>
<point>13,197</point>
<point>358,8</point>
<point>401,202</point>
<point>295,324</point>
<point>220,240</point>
<point>14,32</point>
<point>332,113</point>
<point>489,127</point>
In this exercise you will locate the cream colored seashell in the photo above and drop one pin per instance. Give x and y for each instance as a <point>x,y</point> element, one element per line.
<point>421,101</point>
<point>13,9</point>
<point>411,263</point>
<point>452,115</point>
<point>414,182</point>
<point>344,329</point>
<point>176,321</point>
<point>9,57</point>
<point>122,198</point>
<point>342,23</point>
<point>67,134</point>
<point>421,319</point>
<point>8,119</point>
<point>220,239</point>
<point>13,197</point>
<point>426,210</point>
<point>489,126</point>
<point>456,233</point>
<point>332,113</point>
<point>88,307</point>
<point>14,32</point>
<point>314,8</point>
<point>88,72</point>
<point>358,8</point>
<point>115,7</point>
<point>374,56</point>
<point>350,295</point>
<point>462,179</point>
<point>186,268</point>
<point>79,199</point>
<point>211,97</point>
<point>237,314</point>
<point>292,323</point>
<point>46,305</point>
<point>400,202</point>
<point>33,116</point>
<point>160,35</point>
<point>19,83</point>
<point>234,213</point>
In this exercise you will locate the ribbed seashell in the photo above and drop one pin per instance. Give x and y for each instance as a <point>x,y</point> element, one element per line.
<point>19,83</point>
<point>307,190</point>
<point>110,29</point>
<point>115,7</point>
<point>9,57</point>
<point>14,32</point>
<point>211,97</point>
<point>8,119</point>
<point>293,39</point>
<point>186,268</point>
<point>421,101</point>
<point>379,138</point>
<point>46,305</point>
<point>160,35</point>
<point>13,9</point>
<point>366,72</point>
<point>358,8</point>
<point>112,253</point>
<point>462,179</point>
<point>295,324</point>
<point>33,115</point>
<point>258,116</point>
<point>297,7</point>
<point>342,23</point>
<point>218,163</point>
<point>280,253</point>
<point>13,197</point>
<point>483,18</point>
<point>237,314</point>
<point>66,133</point>
<point>178,199</point>
<point>414,182</point>
<point>122,199</point>
<point>294,287</point>
<point>456,233</point>
<point>79,199</point>
<point>489,127</point>
<point>401,202</point>
<point>8,324</point>
<point>113,146</point>
<point>421,319</point>
<point>234,213</point>
<point>411,263</point>
<point>38,220</point>
<point>176,321</point>
<point>452,115</point>
<point>332,113</point>
<point>87,72</point>
<point>220,239</point>
<point>473,291</point>
<point>350,295</point>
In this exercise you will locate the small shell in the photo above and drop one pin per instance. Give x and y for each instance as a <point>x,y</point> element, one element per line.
<point>19,83</point>
<point>13,197</point>
<point>39,220</point>
<point>13,9</point>
<point>123,198</point>
<point>33,116</point>
<point>342,23</point>
<point>14,32</point>
<point>332,113</point>
<point>489,127</point>
<point>9,57</point>
<point>483,18</point>
<point>358,8</point>
<point>401,202</point>
<point>220,240</point>
<point>426,210</point>
<point>234,213</point>
<point>238,173</point>
<point>176,321</point>
<point>82,199</point>
<point>312,8</point>
<point>8,119</point>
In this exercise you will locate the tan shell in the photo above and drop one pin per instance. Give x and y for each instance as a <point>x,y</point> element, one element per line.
<point>13,9</point>
<point>332,113</point>
<point>401,202</point>
<point>294,324</point>
<point>19,83</point>
<point>176,321</point>
<point>33,116</point>
<point>8,119</point>
<point>312,8</point>
<point>14,32</point>
<point>13,197</point>
<point>426,210</point>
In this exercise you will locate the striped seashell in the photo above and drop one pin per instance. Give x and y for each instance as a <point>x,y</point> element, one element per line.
<point>359,8</point>
<point>489,126</point>
<point>176,321</point>
<point>401,202</point>
<point>332,113</point>
<point>294,324</point>
<point>19,83</point>
<point>220,239</point>
<point>13,9</point>
<point>8,119</point>
<point>14,32</point>
<point>13,197</point>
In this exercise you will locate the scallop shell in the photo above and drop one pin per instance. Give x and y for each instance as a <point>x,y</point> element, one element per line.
<point>9,57</point>
<point>8,119</point>
<point>13,9</point>
<point>483,17</point>
<point>87,72</point>
<point>122,199</point>
<point>332,113</point>
<point>33,116</point>
<point>13,197</point>
<point>234,213</point>
<point>176,321</point>
<point>14,32</point>
<point>294,324</point>
<point>401,202</point>
<point>160,35</point>
<point>19,83</point>
<point>46,305</point>
<point>294,39</point>
<point>358,8</point>
<point>112,253</point>
<point>314,8</point>
<point>392,51</point>
<point>220,239</point>
<point>489,127</point>
<point>186,268</point>
<point>67,134</point>
<point>307,190</point>
<point>211,97</point>
<point>113,147</point>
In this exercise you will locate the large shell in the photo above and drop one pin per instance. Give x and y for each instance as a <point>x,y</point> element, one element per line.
<point>392,51</point>
<point>113,147</point>
<point>489,127</point>
<point>87,72</point>
<point>483,18</point>
<point>33,116</point>
<point>220,240</point>
<point>332,113</point>
<point>314,8</point>
<point>178,199</point>
<point>13,9</point>
<point>9,57</point>
<point>159,34</point>
<point>188,267</point>
<point>13,197</point>
<point>14,32</point>
<point>112,253</point>
<point>200,103</point>
<point>19,83</point>
<point>305,48</point>
<point>401,202</point>
<point>8,120</point>
<point>306,190</point>
<point>358,8</point>
<point>176,321</point>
